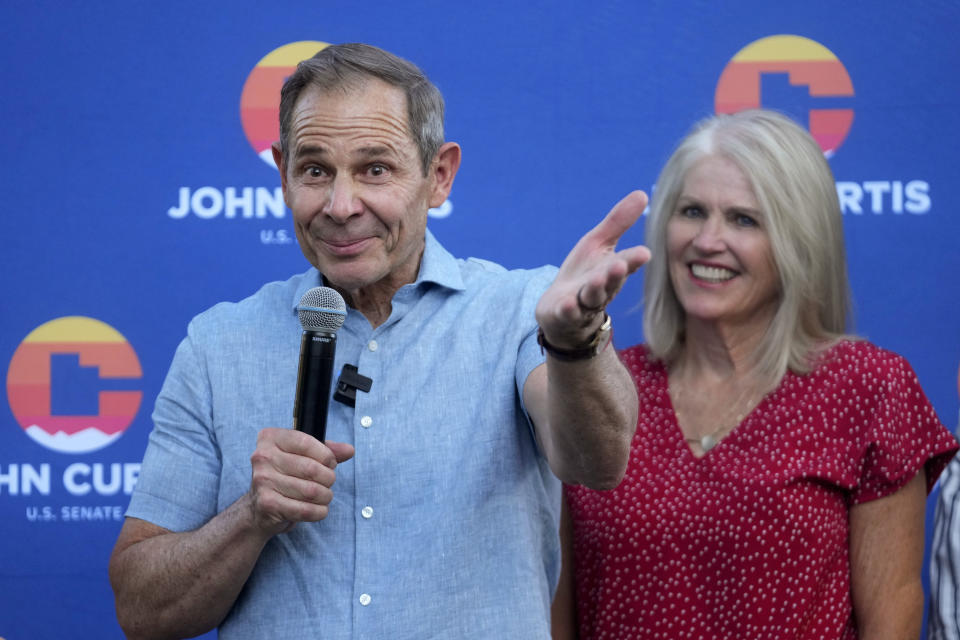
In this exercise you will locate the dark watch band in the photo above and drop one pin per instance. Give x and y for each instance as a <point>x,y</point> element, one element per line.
<point>598,341</point>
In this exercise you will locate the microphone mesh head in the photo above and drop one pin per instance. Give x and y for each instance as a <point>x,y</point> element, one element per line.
<point>321,309</point>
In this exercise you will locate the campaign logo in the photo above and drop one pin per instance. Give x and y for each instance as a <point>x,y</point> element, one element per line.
<point>72,384</point>
<point>794,75</point>
<point>260,99</point>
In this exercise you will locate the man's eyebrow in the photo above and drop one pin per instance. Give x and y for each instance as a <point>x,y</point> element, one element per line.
<point>374,151</point>
<point>310,150</point>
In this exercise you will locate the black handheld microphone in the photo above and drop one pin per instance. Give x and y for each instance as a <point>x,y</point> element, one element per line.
<point>321,312</point>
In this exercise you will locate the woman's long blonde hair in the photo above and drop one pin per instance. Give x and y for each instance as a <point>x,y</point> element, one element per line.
<point>796,191</point>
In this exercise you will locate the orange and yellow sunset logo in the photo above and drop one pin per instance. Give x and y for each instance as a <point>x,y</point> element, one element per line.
<point>72,384</point>
<point>793,74</point>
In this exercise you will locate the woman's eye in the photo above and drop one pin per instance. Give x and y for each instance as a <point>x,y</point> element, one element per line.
<point>744,220</point>
<point>691,212</point>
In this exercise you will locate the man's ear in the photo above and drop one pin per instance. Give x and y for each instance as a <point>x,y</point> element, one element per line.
<point>281,165</point>
<point>444,170</point>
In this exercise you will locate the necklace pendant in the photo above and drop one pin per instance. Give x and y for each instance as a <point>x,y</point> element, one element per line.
<point>707,442</point>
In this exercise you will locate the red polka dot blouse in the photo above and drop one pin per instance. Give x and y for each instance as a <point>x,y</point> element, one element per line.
<point>750,541</point>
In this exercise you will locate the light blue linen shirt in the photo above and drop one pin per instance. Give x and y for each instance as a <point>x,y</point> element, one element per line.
<point>444,524</point>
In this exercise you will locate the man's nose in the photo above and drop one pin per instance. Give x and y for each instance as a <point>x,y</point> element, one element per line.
<point>343,201</point>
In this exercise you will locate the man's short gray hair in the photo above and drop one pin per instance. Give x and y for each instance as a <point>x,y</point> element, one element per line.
<point>344,66</point>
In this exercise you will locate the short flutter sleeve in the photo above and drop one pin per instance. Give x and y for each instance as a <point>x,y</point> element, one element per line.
<point>903,433</point>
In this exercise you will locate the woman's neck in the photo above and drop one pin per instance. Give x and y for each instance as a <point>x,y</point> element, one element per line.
<point>713,352</point>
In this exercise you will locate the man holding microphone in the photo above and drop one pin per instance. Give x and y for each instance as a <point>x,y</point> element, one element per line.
<point>444,522</point>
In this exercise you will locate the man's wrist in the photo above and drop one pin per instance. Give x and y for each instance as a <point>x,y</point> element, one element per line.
<point>597,343</point>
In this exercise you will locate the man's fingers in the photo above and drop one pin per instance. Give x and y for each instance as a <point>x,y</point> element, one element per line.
<point>278,505</point>
<point>341,451</point>
<point>593,272</point>
<point>604,284</point>
<point>634,257</point>
<point>590,300</point>
<point>623,216</point>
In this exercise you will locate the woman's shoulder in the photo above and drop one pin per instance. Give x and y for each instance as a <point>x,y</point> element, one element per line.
<point>862,364</point>
<point>640,362</point>
<point>636,354</point>
<point>861,355</point>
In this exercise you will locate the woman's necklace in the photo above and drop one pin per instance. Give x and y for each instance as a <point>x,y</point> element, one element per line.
<point>737,410</point>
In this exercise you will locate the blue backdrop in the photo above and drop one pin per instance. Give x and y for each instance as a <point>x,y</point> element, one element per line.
<point>117,111</point>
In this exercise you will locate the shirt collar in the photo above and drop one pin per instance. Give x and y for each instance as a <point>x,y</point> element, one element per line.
<point>438,266</point>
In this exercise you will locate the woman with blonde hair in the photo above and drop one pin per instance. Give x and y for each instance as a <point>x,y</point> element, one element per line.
<point>780,468</point>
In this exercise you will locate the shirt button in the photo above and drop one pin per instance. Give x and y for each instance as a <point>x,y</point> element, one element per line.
<point>367,512</point>
<point>366,421</point>
<point>372,345</point>
<point>364,599</point>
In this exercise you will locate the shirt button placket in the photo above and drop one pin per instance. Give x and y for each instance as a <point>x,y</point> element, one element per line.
<point>366,512</point>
